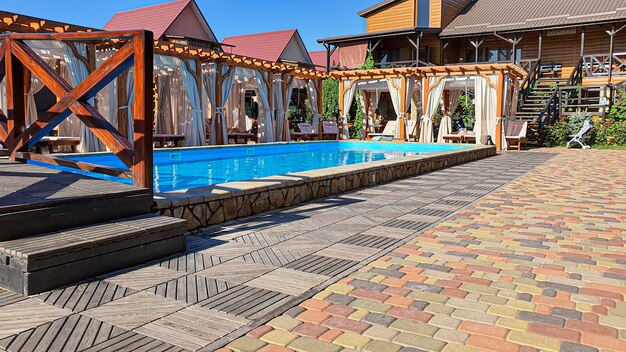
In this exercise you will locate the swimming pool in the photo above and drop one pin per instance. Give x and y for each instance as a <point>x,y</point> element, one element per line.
<point>186,168</point>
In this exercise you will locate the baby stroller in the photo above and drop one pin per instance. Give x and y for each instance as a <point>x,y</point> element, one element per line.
<point>580,136</point>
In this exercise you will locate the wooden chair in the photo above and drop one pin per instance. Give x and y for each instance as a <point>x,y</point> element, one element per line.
<point>330,130</point>
<point>307,132</point>
<point>165,140</point>
<point>516,134</point>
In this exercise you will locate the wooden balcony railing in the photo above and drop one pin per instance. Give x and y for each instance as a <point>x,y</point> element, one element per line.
<point>599,65</point>
<point>135,51</point>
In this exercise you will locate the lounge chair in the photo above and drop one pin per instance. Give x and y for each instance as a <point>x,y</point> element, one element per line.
<point>165,140</point>
<point>307,132</point>
<point>52,142</point>
<point>412,129</point>
<point>580,136</point>
<point>516,134</point>
<point>388,131</point>
<point>245,136</point>
<point>330,130</point>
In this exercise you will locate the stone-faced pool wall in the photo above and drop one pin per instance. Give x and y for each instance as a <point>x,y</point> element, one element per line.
<point>220,203</point>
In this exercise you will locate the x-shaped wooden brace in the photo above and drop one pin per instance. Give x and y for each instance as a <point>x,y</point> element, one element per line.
<point>74,100</point>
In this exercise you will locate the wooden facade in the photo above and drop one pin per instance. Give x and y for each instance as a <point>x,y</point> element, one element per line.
<point>396,16</point>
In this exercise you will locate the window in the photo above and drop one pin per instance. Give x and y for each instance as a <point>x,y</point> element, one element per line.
<point>423,13</point>
<point>502,54</point>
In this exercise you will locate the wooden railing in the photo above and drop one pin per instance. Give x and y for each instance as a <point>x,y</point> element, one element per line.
<point>399,64</point>
<point>573,99</point>
<point>529,82</point>
<point>576,77</point>
<point>135,51</point>
<point>527,64</point>
<point>599,65</point>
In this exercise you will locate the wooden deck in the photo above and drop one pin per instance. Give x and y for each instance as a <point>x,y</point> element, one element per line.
<point>35,200</point>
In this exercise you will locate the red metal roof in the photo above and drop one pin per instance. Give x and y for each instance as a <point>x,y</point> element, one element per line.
<point>157,18</point>
<point>266,46</point>
<point>319,59</point>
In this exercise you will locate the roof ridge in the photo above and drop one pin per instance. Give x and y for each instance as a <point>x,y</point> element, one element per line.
<point>153,6</point>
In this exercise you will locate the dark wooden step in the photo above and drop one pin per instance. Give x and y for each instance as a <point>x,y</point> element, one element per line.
<point>39,263</point>
<point>76,212</point>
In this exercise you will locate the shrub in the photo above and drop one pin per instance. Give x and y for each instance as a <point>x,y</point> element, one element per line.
<point>558,134</point>
<point>618,109</point>
<point>612,133</point>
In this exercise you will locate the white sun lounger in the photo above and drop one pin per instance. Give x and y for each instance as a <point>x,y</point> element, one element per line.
<point>580,136</point>
<point>389,131</point>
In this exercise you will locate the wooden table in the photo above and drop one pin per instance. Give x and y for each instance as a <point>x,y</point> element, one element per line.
<point>51,142</point>
<point>164,139</point>
<point>246,136</point>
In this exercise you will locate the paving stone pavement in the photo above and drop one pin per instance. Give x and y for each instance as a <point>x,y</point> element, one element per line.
<point>538,265</point>
<point>466,258</point>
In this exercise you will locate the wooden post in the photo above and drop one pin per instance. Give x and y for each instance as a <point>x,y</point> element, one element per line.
<point>320,107</point>
<point>611,52</point>
<point>425,94</point>
<point>142,111</point>
<point>540,48</point>
<point>341,112</point>
<point>582,41</point>
<point>499,110</point>
<point>285,107</point>
<point>403,98</point>
<point>16,99</point>
<point>219,138</point>
<point>122,100</point>
<point>270,96</point>
<point>367,107</point>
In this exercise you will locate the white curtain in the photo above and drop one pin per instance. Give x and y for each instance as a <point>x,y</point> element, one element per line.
<point>164,120</point>
<point>445,128</point>
<point>486,100</point>
<point>197,136</point>
<point>348,97</point>
<point>281,113</point>
<point>410,89</point>
<point>374,99</point>
<point>396,94</point>
<point>266,127</point>
<point>209,89</point>
<point>78,72</point>
<point>433,100</point>
<point>313,101</point>
<point>218,113</point>
<point>35,87</point>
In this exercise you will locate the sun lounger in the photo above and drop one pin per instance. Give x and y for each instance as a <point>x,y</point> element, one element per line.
<point>454,138</point>
<point>516,134</point>
<point>53,142</point>
<point>165,140</point>
<point>412,128</point>
<point>580,136</point>
<point>330,130</point>
<point>307,132</point>
<point>389,131</point>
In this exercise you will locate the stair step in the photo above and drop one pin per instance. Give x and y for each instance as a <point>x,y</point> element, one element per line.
<point>40,263</point>
<point>79,212</point>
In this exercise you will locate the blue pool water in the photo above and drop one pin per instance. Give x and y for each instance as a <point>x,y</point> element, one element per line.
<point>178,169</point>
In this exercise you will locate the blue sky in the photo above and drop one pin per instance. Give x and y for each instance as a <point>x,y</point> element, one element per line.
<point>314,19</point>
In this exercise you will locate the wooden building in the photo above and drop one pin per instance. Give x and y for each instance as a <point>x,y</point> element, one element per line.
<point>567,43</point>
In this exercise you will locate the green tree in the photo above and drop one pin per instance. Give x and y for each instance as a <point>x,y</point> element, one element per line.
<point>330,98</point>
<point>359,116</point>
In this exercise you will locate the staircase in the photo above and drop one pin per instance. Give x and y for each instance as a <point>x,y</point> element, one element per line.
<point>535,101</point>
<point>58,228</point>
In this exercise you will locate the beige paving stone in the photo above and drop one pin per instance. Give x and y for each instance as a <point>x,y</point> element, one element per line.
<point>307,344</point>
<point>352,340</point>
<point>279,337</point>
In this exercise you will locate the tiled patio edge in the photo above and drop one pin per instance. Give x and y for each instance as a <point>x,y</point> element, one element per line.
<point>216,204</point>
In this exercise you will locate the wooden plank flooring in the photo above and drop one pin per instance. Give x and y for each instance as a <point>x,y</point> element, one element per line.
<point>24,186</point>
<point>240,273</point>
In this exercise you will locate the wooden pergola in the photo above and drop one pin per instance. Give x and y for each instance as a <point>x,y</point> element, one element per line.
<point>424,74</point>
<point>132,49</point>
